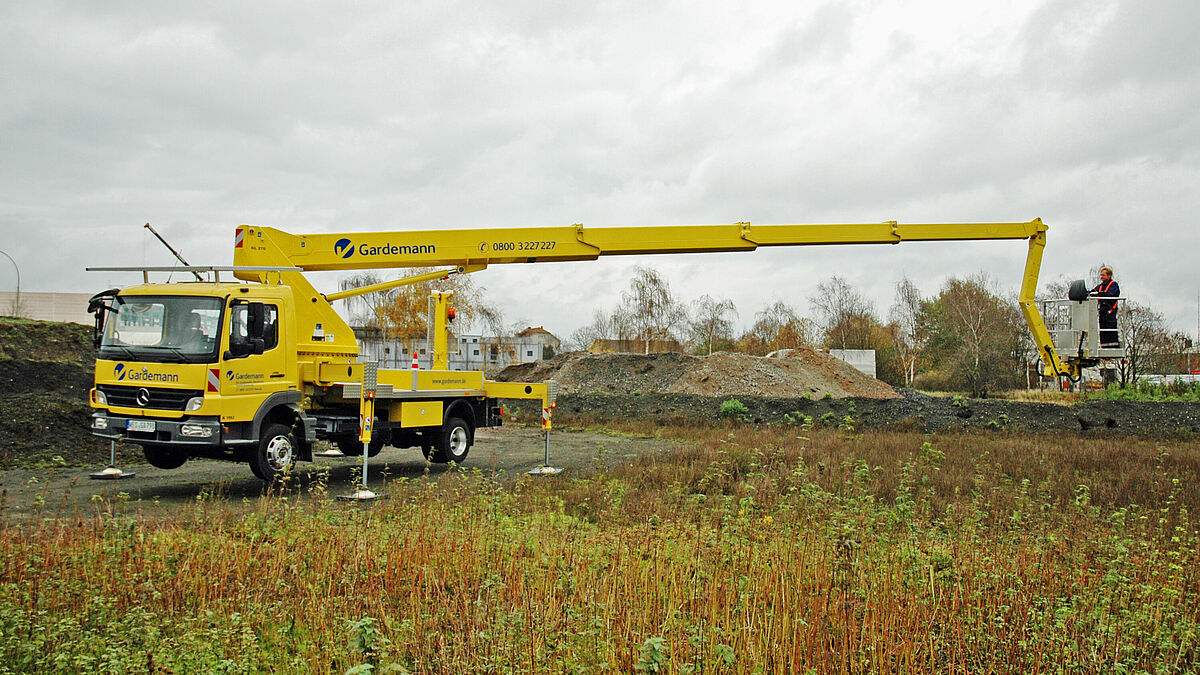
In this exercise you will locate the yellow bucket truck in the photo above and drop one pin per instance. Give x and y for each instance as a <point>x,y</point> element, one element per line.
<point>258,367</point>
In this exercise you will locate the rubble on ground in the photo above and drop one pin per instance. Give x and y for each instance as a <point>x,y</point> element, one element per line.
<point>801,373</point>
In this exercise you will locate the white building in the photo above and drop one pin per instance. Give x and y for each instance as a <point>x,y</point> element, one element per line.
<point>863,360</point>
<point>69,307</point>
<point>467,351</point>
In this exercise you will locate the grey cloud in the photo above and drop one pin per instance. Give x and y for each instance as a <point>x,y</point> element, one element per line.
<point>420,115</point>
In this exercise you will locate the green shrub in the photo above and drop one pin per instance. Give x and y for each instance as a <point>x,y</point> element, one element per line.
<point>733,408</point>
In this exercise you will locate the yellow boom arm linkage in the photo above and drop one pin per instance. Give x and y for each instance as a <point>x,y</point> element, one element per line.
<point>473,249</point>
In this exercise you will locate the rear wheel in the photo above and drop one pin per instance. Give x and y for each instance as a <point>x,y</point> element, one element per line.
<point>454,442</point>
<point>275,453</point>
<point>165,458</point>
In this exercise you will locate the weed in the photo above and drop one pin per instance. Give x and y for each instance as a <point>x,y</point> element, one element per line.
<point>847,427</point>
<point>1174,390</point>
<point>733,409</point>
<point>1013,553</point>
<point>798,419</point>
<point>653,657</point>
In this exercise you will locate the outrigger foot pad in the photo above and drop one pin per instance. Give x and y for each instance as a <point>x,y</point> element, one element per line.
<point>111,473</point>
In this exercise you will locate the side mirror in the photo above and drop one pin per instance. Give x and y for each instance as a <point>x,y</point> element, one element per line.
<point>252,342</point>
<point>238,347</point>
<point>255,320</point>
<point>256,327</point>
<point>99,305</point>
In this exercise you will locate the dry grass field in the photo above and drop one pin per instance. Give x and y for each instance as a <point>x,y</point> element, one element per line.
<point>748,549</point>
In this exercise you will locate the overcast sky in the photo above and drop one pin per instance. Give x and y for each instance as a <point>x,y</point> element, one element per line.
<point>343,117</point>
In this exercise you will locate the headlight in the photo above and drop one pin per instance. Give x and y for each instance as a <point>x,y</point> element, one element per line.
<point>194,403</point>
<point>99,422</point>
<point>196,430</point>
<point>101,399</point>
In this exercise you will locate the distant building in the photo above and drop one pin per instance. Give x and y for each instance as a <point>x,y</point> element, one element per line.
<point>538,335</point>
<point>67,307</point>
<point>467,351</point>
<point>605,346</point>
<point>479,352</point>
<point>863,360</point>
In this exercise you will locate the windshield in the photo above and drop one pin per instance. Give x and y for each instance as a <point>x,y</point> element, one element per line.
<point>163,328</point>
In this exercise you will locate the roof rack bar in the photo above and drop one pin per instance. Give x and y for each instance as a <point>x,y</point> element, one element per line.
<point>196,270</point>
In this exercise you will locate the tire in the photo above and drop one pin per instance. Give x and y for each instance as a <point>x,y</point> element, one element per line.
<point>276,452</point>
<point>454,441</point>
<point>352,447</point>
<point>164,458</point>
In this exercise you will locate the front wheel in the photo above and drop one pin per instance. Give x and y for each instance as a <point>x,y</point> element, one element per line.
<point>275,453</point>
<point>454,442</point>
<point>165,458</point>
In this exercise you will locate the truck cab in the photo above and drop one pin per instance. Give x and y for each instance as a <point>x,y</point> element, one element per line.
<point>201,370</point>
<point>257,372</point>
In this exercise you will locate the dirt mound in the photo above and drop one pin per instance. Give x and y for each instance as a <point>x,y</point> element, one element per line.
<point>802,373</point>
<point>30,340</point>
<point>45,374</point>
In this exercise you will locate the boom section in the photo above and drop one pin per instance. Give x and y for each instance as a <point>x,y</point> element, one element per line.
<point>424,248</point>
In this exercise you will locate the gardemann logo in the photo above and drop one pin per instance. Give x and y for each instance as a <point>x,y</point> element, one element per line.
<point>144,375</point>
<point>346,248</point>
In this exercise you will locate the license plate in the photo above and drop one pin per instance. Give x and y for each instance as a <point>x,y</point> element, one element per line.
<point>140,425</point>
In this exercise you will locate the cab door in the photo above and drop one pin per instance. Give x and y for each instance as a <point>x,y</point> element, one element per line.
<point>254,366</point>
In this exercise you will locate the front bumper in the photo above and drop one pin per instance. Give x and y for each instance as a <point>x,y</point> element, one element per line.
<point>201,431</point>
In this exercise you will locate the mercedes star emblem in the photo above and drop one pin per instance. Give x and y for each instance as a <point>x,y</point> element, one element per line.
<point>143,397</point>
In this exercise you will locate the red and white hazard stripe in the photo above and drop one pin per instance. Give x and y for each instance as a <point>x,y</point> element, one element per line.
<point>238,236</point>
<point>214,379</point>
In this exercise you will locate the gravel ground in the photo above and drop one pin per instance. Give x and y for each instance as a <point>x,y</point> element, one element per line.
<point>505,453</point>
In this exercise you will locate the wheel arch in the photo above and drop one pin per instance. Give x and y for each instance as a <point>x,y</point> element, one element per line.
<point>462,409</point>
<point>284,408</point>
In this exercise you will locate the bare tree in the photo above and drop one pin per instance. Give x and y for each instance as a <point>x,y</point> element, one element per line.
<point>836,303</point>
<point>363,310</point>
<point>972,337</point>
<point>613,325</point>
<point>905,310</point>
<point>776,327</point>
<point>651,308</point>
<point>494,337</point>
<point>1147,339</point>
<point>712,321</point>
<point>401,313</point>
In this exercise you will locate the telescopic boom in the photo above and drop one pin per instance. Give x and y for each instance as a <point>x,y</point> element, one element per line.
<point>474,249</point>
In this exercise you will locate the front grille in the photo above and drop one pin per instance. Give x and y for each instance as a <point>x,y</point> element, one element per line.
<point>160,398</point>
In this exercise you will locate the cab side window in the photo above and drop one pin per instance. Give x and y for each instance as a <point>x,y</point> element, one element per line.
<point>239,331</point>
<point>270,327</point>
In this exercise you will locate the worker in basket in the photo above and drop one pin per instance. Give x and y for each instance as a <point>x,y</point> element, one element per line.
<point>1108,288</point>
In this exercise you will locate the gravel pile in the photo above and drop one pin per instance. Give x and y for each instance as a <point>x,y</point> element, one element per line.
<point>801,373</point>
